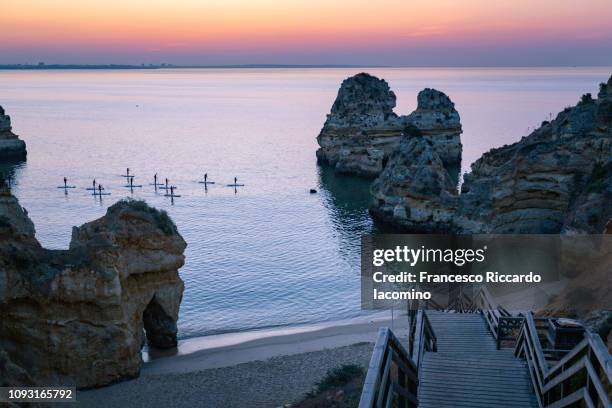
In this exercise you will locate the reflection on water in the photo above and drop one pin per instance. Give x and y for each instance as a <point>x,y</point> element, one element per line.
<point>267,254</point>
<point>347,199</point>
<point>10,170</point>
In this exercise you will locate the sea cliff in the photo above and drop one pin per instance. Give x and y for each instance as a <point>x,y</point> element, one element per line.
<point>80,316</point>
<point>10,145</point>
<point>557,179</point>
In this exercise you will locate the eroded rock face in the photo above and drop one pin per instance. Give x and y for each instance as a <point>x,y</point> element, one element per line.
<point>557,179</point>
<point>438,120</point>
<point>362,130</point>
<point>79,316</point>
<point>415,192</point>
<point>591,210</point>
<point>10,144</point>
<point>533,185</point>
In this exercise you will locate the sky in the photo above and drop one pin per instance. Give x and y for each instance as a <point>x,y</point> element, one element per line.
<point>354,32</point>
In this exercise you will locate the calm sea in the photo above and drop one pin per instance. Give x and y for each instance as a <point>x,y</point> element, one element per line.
<point>270,254</point>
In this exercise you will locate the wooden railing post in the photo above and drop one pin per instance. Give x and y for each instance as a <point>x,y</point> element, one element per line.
<point>392,375</point>
<point>383,386</point>
<point>590,357</point>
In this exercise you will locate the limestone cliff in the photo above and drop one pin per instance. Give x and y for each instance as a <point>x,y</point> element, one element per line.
<point>10,144</point>
<point>532,186</point>
<point>557,179</point>
<point>362,130</point>
<point>79,316</point>
<point>437,120</point>
<point>414,191</point>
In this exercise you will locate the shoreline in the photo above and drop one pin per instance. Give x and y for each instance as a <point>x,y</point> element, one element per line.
<point>314,336</point>
<point>264,368</point>
<point>229,349</point>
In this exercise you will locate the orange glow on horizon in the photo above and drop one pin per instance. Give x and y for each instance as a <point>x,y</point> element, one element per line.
<point>182,26</point>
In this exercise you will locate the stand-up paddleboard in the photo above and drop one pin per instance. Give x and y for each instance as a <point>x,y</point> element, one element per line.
<point>127,175</point>
<point>92,188</point>
<point>97,194</point>
<point>235,185</point>
<point>66,186</point>
<point>133,185</point>
<point>206,182</point>
<point>156,184</point>
<point>172,195</point>
<point>167,188</point>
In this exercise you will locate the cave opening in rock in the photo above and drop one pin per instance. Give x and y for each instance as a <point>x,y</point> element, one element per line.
<point>160,328</point>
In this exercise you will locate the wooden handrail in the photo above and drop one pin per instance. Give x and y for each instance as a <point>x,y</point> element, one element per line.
<point>583,374</point>
<point>590,356</point>
<point>532,335</point>
<point>601,353</point>
<point>421,337</point>
<point>383,388</point>
<point>502,324</point>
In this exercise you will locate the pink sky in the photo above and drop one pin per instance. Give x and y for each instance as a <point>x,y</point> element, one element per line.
<point>393,32</point>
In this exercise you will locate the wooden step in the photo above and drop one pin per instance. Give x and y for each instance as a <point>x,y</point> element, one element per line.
<point>468,371</point>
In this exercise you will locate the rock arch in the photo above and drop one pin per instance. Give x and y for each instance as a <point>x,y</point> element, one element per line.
<point>159,325</point>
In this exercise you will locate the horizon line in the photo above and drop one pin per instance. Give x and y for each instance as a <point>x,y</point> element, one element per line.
<point>44,66</point>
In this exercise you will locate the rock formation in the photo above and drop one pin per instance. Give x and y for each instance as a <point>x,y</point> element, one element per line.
<point>557,179</point>
<point>437,120</point>
<point>10,144</point>
<point>79,316</point>
<point>414,192</point>
<point>362,130</point>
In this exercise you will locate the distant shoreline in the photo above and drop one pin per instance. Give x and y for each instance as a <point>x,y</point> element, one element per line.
<point>170,66</point>
<point>49,67</point>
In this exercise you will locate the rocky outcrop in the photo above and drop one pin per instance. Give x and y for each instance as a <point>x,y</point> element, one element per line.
<point>437,120</point>
<point>362,130</point>
<point>10,144</point>
<point>533,185</point>
<point>80,316</point>
<point>591,210</point>
<point>415,192</point>
<point>557,179</point>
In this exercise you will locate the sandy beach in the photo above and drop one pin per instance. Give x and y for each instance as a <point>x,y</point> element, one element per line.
<point>272,368</point>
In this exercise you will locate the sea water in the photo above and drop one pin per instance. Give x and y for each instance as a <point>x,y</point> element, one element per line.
<point>269,253</point>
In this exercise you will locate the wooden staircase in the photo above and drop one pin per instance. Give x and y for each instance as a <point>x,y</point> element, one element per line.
<point>468,370</point>
<point>463,360</point>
